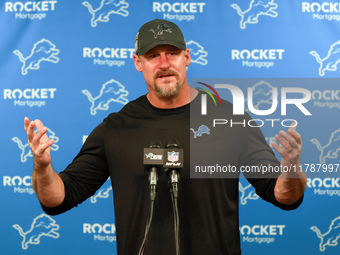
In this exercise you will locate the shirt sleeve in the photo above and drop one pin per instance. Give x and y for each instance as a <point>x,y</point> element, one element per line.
<point>264,167</point>
<point>86,174</point>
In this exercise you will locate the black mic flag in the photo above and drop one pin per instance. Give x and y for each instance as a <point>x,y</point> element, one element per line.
<point>153,160</point>
<point>173,155</point>
<point>173,163</point>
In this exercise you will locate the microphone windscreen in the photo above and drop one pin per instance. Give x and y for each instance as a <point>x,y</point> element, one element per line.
<point>155,144</point>
<point>172,143</point>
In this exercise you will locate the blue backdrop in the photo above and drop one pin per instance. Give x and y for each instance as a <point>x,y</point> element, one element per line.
<point>57,57</point>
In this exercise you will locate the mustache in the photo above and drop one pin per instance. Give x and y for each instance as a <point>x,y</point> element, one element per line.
<point>164,73</point>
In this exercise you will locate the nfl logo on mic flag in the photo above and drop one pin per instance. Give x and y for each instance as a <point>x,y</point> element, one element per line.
<point>173,156</point>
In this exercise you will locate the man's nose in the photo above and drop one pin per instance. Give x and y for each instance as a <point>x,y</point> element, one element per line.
<point>164,61</point>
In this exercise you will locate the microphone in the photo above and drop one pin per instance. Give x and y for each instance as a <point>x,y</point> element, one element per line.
<point>173,163</point>
<point>153,162</point>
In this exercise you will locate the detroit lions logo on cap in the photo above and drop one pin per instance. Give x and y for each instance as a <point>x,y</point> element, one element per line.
<point>160,30</point>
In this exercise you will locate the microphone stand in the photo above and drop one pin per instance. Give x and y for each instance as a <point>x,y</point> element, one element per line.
<point>174,176</point>
<point>153,177</point>
<point>172,168</point>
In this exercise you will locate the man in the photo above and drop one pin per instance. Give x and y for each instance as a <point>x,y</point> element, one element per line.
<point>208,208</point>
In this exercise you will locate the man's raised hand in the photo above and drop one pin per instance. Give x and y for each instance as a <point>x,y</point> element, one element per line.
<point>39,143</point>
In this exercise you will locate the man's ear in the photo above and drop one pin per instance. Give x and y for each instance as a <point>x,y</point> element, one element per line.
<point>187,57</point>
<point>136,60</point>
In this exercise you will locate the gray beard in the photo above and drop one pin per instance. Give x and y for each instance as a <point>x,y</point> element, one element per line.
<point>167,91</point>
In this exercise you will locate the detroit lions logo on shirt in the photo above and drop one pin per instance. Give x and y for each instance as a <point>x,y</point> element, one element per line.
<point>203,129</point>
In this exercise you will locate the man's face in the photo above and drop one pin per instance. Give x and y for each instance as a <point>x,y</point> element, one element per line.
<point>164,69</point>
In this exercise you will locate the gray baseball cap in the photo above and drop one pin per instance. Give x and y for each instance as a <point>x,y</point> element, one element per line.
<point>158,32</point>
